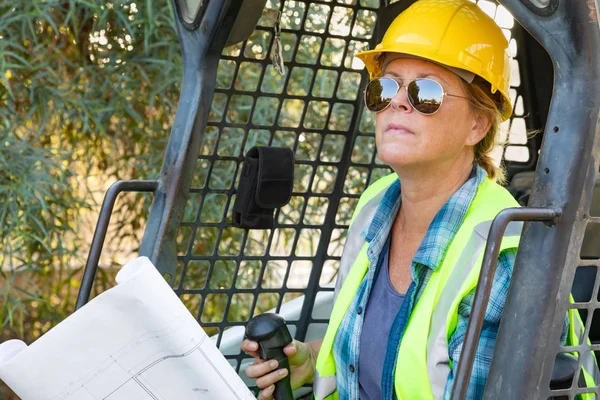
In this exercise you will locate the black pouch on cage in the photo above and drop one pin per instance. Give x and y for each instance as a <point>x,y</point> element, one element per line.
<point>266,184</point>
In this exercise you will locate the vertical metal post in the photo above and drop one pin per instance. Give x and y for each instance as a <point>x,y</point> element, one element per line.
<point>202,40</point>
<point>530,330</point>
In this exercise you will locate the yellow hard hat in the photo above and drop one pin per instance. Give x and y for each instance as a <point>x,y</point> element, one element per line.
<point>455,33</point>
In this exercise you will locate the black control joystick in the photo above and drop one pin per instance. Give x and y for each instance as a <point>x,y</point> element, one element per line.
<point>272,335</point>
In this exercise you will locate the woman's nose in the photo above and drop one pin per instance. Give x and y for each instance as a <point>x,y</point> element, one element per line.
<point>400,101</point>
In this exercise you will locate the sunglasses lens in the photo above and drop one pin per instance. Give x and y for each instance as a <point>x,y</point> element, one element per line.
<point>379,93</point>
<point>425,95</point>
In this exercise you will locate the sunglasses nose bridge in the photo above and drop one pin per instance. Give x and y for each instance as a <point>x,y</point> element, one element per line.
<point>401,99</point>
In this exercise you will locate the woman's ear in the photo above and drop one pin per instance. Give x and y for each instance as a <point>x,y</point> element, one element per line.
<point>480,127</point>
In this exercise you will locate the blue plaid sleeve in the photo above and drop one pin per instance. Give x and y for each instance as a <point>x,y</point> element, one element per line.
<point>565,330</point>
<point>485,348</point>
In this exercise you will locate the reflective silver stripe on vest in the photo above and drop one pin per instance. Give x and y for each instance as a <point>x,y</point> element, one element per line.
<point>354,240</point>
<point>324,386</point>
<point>588,361</point>
<point>438,359</point>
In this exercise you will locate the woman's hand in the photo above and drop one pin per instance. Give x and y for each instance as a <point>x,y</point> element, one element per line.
<point>302,358</point>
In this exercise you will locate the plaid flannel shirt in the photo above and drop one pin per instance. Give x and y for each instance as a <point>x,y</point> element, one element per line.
<point>428,258</point>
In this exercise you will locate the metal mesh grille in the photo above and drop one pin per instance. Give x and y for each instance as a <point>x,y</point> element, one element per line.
<point>227,275</point>
<point>585,303</point>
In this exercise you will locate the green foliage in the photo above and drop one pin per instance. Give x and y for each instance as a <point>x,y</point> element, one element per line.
<point>88,92</point>
<point>87,95</point>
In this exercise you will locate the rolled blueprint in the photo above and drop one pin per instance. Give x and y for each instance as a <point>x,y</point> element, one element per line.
<point>135,341</point>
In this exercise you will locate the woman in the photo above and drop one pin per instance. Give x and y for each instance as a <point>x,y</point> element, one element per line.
<point>439,88</point>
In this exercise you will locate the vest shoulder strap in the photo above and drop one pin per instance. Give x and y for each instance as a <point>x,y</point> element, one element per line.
<point>373,190</point>
<point>363,214</point>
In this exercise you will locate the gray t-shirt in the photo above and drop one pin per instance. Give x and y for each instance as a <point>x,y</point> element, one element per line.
<point>382,308</point>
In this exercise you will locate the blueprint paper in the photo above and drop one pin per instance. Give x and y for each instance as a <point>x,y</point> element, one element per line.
<point>136,341</point>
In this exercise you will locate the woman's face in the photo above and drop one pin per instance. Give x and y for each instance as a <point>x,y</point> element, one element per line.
<point>408,139</point>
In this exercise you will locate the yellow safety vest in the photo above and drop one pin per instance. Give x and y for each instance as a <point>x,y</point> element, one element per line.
<point>589,365</point>
<point>423,362</point>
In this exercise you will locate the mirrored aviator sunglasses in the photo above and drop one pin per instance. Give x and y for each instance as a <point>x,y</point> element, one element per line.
<point>425,95</point>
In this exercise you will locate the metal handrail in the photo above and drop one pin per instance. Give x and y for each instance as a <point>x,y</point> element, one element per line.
<point>100,232</point>
<point>484,287</point>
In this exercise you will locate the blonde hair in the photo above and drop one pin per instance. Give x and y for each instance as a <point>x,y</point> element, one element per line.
<point>486,106</point>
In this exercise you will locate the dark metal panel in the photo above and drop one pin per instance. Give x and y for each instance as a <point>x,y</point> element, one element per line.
<point>201,50</point>
<point>530,331</point>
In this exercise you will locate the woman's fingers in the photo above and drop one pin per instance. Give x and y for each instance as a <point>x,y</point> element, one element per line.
<point>297,352</point>
<point>267,394</point>
<point>268,372</point>
<point>269,379</point>
<point>251,348</point>
<point>290,349</point>
<point>260,368</point>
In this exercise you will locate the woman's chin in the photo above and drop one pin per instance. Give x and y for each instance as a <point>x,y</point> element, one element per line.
<point>399,158</point>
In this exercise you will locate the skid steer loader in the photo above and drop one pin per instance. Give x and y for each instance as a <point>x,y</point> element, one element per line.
<point>282,73</point>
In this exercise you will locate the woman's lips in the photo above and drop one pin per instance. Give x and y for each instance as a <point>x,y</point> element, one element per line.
<point>396,129</point>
